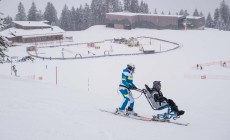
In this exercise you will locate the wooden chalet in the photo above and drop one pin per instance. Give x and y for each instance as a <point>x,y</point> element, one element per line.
<point>126,20</point>
<point>32,31</point>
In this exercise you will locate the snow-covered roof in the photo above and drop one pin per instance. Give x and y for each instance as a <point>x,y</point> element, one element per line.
<point>32,23</point>
<point>123,13</point>
<point>6,33</point>
<point>138,14</point>
<point>12,32</point>
<point>193,17</point>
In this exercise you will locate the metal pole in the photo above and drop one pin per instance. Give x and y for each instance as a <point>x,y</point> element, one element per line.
<point>56,75</point>
<point>11,67</point>
<point>88,84</point>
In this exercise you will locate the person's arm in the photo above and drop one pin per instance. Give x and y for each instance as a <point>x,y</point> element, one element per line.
<point>159,98</point>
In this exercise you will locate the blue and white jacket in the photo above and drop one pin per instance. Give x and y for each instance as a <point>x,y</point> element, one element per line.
<point>127,79</point>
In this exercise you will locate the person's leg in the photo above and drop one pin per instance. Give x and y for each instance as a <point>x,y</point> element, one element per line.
<point>131,102</point>
<point>131,105</point>
<point>174,107</point>
<point>125,95</point>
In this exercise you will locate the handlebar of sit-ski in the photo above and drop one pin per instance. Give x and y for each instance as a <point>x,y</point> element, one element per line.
<point>140,90</point>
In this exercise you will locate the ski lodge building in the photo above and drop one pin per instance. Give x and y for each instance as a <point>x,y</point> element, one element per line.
<point>126,20</point>
<point>32,31</point>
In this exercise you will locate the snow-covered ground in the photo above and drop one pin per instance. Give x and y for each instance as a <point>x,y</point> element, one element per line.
<point>39,109</point>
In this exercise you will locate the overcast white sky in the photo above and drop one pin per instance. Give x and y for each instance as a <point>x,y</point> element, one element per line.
<point>9,7</point>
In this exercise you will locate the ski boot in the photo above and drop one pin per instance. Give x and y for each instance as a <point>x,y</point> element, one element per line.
<point>121,112</point>
<point>130,111</point>
<point>180,112</point>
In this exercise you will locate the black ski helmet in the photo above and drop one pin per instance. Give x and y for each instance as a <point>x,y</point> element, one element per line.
<point>157,85</point>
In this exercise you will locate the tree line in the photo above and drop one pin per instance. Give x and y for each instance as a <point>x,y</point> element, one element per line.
<point>221,18</point>
<point>82,17</point>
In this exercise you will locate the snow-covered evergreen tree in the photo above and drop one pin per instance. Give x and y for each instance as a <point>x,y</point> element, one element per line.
<point>120,6</point>
<point>39,15</point>
<point>224,12</point>
<point>50,14</point>
<point>65,19</point>
<point>84,17</point>
<point>21,15</point>
<point>3,47</point>
<point>186,13</point>
<point>73,19</point>
<point>125,2</point>
<point>209,21</point>
<point>3,41</point>
<point>216,18</point>
<point>103,11</point>
<point>33,14</point>
<point>95,11</point>
<point>144,7</point>
<point>7,22</point>
<point>1,21</point>
<point>181,12</point>
<point>116,7</point>
<point>87,16</point>
<point>79,18</point>
<point>99,10</point>
<point>196,13</point>
<point>127,5</point>
<point>155,11</point>
<point>201,14</point>
<point>134,6</point>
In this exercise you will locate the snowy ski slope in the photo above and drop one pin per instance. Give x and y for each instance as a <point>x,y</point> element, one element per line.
<point>41,110</point>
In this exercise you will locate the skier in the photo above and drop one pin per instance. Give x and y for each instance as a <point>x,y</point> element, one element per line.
<point>125,86</point>
<point>14,69</point>
<point>160,102</point>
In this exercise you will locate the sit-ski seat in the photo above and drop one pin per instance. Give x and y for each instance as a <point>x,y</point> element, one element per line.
<point>159,105</point>
<point>154,104</point>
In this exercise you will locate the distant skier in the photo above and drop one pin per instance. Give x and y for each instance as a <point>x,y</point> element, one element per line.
<point>14,70</point>
<point>159,102</point>
<point>125,86</point>
<point>201,67</point>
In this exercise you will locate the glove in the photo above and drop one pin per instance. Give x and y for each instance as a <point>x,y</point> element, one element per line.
<point>159,98</point>
<point>132,87</point>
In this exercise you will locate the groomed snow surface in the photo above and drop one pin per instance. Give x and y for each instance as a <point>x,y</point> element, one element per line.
<point>33,107</point>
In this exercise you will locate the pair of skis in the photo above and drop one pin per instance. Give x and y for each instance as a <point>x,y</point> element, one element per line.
<point>142,118</point>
